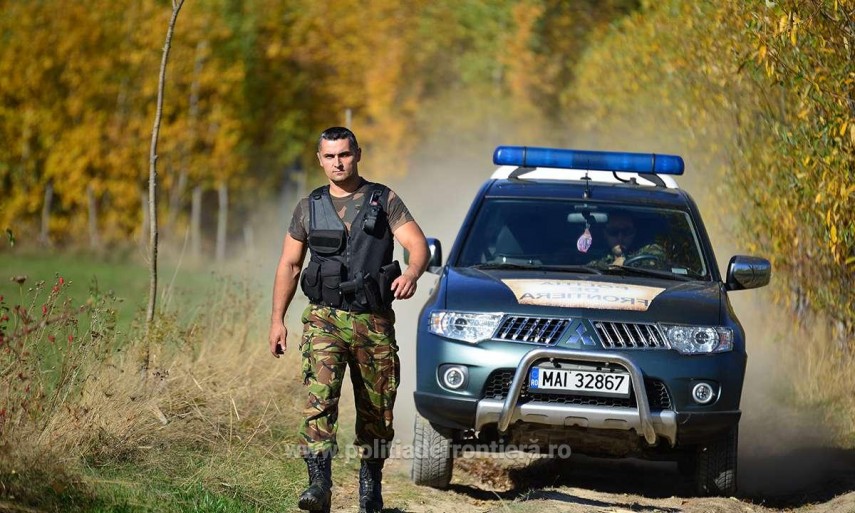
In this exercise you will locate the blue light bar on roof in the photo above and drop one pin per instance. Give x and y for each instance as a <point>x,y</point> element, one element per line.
<point>524,156</point>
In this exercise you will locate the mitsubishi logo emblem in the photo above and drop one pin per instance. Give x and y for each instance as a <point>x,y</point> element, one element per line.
<point>581,334</point>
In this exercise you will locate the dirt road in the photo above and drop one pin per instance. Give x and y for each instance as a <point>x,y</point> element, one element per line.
<point>484,484</point>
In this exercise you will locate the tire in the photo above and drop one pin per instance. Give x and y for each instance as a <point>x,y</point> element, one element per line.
<point>715,466</point>
<point>432,458</point>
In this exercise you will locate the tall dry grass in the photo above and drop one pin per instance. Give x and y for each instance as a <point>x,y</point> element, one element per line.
<point>75,394</point>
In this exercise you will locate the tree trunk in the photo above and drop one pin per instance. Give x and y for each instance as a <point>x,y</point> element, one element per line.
<point>152,176</point>
<point>249,241</point>
<point>175,196</point>
<point>193,116</point>
<point>222,221</point>
<point>196,223</point>
<point>44,235</point>
<point>94,239</point>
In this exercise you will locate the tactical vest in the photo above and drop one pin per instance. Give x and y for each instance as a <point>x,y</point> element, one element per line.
<point>352,271</point>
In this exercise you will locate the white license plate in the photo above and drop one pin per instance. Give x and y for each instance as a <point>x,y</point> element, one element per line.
<point>590,382</point>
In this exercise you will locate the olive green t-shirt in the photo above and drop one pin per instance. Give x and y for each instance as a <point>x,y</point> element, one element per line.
<point>347,208</point>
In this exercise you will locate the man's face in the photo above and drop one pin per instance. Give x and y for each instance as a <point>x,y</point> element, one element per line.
<point>620,230</point>
<point>340,163</point>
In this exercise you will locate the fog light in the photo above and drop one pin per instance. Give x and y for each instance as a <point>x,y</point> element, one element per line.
<point>454,376</point>
<point>703,393</point>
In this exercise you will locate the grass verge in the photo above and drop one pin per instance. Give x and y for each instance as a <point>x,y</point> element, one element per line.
<point>85,426</point>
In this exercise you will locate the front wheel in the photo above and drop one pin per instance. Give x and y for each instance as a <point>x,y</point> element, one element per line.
<point>715,465</point>
<point>432,458</point>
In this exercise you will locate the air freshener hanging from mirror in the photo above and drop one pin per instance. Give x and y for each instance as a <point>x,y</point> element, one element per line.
<point>583,243</point>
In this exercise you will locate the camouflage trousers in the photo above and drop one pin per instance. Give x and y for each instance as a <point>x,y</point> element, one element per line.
<point>333,340</point>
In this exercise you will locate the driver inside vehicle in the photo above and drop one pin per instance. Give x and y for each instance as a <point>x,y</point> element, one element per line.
<point>621,238</point>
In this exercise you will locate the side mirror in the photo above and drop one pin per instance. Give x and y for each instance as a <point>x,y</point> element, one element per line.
<point>435,262</point>
<point>747,272</point>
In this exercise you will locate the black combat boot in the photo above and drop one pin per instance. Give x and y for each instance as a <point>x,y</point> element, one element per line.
<point>370,494</point>
<point>317,496</point>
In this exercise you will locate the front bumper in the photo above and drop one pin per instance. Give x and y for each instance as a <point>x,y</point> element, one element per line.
<point>639,419</point>
<point>457,412</point>
<point>651,426</point>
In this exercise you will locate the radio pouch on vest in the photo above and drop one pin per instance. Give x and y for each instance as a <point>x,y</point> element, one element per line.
<point>311,281</point>
<point>331,276</point>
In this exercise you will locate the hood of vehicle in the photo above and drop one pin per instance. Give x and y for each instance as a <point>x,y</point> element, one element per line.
<point>596,297</point>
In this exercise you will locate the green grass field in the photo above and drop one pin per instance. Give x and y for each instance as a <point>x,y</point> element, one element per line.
<point>209,438</point>
<point>181,289</point>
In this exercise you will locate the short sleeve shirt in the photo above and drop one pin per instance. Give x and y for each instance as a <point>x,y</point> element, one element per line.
<point>348,208</point>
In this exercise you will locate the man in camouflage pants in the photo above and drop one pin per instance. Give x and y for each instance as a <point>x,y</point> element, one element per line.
<point>350,226</point>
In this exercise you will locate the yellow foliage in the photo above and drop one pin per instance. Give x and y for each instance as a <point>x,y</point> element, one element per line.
<point>766,88</point>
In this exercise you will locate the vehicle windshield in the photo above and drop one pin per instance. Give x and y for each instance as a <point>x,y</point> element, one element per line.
<point>573,236</point>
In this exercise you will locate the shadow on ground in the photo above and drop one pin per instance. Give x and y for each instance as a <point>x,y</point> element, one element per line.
<point>787,480</point>
<point>804,475</point>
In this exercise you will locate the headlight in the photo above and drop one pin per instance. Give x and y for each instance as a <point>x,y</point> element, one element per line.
<point>699,339</point>
<point>469,327</point>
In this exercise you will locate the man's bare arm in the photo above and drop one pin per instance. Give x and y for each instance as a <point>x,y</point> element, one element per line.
<point>411,237</point>
<point>284,287</point>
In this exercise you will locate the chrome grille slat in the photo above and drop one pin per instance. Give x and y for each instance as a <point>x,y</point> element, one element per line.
<point>516,335</point>
<point>539,330</point>
<point>651,333</point>
<point>616,328</point>
<point>531,329</point>
<point>542,330</point>
<point>641,338</point>
<point>504,330</point>
<point>630,335</point>
<point>557,330</point>
<point>630,340</point>
<point>608,342</point>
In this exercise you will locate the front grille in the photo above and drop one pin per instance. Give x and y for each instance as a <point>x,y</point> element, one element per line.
<point>628,335</point>
<point>657,395</point>
<point>540,330</point>
<point>499,382</point>
<point>582,400</point>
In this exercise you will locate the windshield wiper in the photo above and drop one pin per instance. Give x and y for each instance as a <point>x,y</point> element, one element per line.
<point>538,267</point>
<point>622,269</point>
<point>505,265</point>
<point>572,269</point>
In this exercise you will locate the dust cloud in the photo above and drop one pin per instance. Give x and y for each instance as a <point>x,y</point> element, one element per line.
<point>783,450</point>
<point>438,192</point>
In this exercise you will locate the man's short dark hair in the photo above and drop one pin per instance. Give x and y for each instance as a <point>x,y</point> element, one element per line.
<point>336,133</point>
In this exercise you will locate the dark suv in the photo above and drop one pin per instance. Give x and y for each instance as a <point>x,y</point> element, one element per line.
<point>581,308</point>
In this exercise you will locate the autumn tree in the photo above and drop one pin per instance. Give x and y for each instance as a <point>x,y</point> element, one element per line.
<point>766,91</point>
